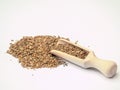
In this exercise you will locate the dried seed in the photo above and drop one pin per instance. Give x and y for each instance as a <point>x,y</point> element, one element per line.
<point>72,50</point>
<point>33,52</point>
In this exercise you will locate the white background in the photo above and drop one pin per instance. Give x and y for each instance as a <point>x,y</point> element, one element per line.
<point>94,23</point>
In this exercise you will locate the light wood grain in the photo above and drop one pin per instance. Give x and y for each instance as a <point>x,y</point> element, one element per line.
<point>107,67</point>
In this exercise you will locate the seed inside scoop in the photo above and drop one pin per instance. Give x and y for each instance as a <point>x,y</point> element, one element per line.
<point>72,50</point>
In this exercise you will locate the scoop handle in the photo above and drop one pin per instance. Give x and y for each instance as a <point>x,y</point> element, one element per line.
<point>108,68</point>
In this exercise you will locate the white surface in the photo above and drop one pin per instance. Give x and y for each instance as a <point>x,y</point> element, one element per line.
<point>94,23</point>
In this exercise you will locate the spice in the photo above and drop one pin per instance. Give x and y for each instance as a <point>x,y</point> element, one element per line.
<point>33,52</point>
<point>72,50</point>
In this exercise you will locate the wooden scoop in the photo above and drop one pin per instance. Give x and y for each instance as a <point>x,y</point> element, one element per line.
<point>107,68</point>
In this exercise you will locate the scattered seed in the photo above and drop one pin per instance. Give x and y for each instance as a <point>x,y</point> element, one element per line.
<point>33,52</point>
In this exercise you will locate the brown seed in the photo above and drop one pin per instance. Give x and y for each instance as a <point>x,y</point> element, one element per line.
<point>33,52</point>
<point>72,50</point>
